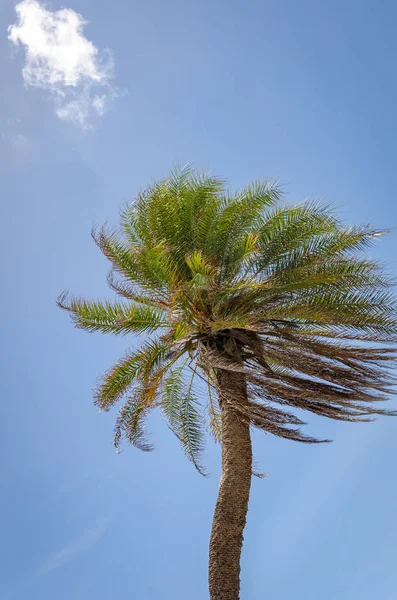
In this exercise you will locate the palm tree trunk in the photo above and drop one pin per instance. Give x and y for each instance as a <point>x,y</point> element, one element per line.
<point>232,504</point>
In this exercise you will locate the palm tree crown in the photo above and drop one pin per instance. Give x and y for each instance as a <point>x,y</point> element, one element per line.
<point>240,283</point>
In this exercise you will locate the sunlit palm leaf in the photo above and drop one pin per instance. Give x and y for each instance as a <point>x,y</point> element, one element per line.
<point>179,409</point>
<point>116,318</point>
<point>123,374</point>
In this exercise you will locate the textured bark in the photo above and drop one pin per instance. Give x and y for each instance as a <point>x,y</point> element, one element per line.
<point>232,504</point>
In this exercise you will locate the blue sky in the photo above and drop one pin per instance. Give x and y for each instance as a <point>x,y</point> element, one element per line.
<point>300,91</point>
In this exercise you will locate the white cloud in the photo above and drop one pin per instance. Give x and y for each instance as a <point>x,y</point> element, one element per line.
<point>81,544</point>
<point>61,60</point>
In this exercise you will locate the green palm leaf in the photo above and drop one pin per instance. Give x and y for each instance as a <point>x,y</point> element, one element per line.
<point>179,409</point>
<point>122,375</point>
<point>116,318</point>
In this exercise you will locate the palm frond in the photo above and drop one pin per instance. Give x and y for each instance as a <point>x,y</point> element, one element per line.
<point>119,254</point>
<point>130,423</point>
<point>134,365</point>
<point>286,231</point>
<point>116,318</point>
<point>234,220</point>
<point>132,292</point>
<point>179,408</point>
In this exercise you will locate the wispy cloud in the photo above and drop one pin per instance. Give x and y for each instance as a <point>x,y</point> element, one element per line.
<point>79,545</point>
<point>62,61</point>
<point>12,137</point>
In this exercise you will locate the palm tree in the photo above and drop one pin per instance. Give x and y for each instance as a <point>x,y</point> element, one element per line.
<point>247,304</point>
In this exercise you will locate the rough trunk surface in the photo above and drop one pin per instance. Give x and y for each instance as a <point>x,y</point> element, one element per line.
<point>232,504</point>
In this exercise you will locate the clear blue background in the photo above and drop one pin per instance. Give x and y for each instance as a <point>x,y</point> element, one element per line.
<point>301,91</point>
